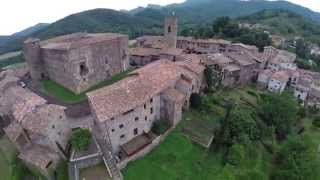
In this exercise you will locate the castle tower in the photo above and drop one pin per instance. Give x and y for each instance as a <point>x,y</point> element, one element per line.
<point>171,30</point>
<point>31,52</point>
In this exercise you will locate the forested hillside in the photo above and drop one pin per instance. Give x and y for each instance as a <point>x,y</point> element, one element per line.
<point>285,23</point>
<point>191,14</point>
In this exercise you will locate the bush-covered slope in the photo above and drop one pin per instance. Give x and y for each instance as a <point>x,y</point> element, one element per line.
<point>285,23</point>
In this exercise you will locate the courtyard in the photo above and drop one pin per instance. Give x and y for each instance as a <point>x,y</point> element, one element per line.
<point>64,95</point>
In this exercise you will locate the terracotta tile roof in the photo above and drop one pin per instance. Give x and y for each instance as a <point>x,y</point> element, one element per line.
<point>281,76</point>
<point>38,155</point>
<point>13,131</point>
<point>25,102</point>
<point>304,82</point>
<point>144,51</point>
<point>135,90</point>
<point>241,58</point>
<point>266,72</point>
<point>315,91</point>
<point>77,40</point>
<point>156,42</point>
<point>232,67</point>
<point>174,94</point>
<point>284,57</point>
<point>172,51</point>
<point>249,47</point>
<point>217,58</point>
<point>39,119</point>
<point>194,40</point>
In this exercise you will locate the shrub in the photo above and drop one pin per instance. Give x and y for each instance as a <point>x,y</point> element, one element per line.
<point>19,170</point>
<point>62,171</point>
<point>302,112</point>
<point>236,155</point>
<point>195,101</point>
<point>316,122</point>
<point>160,127</point>
<point>80,139</point>
<point>252,93</point>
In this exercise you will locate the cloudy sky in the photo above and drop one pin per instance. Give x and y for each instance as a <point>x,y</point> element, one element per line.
<point>16,15</point>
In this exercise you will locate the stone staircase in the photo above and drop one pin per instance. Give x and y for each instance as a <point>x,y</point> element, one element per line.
<point>108,158</point>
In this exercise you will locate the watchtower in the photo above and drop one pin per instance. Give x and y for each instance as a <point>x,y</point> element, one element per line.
<point>171,30</point>
<point>32,55</point>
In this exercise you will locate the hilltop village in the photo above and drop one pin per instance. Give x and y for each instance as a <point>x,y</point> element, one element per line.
<point>167,70</point>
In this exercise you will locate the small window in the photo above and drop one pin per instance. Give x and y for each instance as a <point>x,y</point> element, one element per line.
<point>112,130</point>
<point>122,136</point>
<point>146,118</point>
<point>145,106</point>
<point>151,100</point>
<point>169,29</point>
<point>112,119</point>
<point>121,126</point>
<point>151,110</point>
<point>53,126</point>
<point>136,119</point>
<point>135,131</point>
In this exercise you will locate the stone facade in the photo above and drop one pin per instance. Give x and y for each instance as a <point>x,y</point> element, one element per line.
<point>171,31</point>
<point>77,61</point>
<point>158,91</point>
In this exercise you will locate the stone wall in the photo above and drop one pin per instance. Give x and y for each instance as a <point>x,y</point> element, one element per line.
<point>121,129</point>
<point>81,68</point>
<point>145,151</point>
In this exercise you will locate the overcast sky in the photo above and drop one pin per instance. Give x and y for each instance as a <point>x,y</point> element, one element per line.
<point>16,15</point>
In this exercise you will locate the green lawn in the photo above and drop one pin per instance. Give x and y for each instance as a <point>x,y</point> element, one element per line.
<point>178,158</point>
<point>7,156</point>
<point>64,95</point>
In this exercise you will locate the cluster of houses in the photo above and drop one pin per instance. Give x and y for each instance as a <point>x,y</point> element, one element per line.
<point>169,70</point>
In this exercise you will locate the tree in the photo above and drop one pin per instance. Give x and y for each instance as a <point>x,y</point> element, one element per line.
<point>236,155</point>
<point>280,111</point>
<point>302,49</point>
<point>297,159</point>
<point>242,126</point>
<point>238,126</point>
<point>81,139</point>
<point>208,76</point>
<point>220,24</point>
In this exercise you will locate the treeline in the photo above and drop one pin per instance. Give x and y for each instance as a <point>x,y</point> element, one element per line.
<point>226,28</point>
<point>275,125</point>
<point>305,59</point>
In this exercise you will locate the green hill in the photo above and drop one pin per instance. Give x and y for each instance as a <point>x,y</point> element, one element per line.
<point>191,13</point>
<point>93,21</point>
<point>285,23</point>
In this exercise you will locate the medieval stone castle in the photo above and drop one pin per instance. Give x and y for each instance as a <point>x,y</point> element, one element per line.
<point>169,70</point>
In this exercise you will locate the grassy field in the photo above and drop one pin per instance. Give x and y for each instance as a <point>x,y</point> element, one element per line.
<point>64,95</point>
<point>179,158</point>
<point>7,156</point>
<point>9,55</point>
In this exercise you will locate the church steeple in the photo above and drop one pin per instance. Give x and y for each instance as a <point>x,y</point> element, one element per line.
<point>171,30</point>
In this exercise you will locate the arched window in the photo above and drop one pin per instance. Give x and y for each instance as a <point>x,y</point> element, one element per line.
<point>169,29</point>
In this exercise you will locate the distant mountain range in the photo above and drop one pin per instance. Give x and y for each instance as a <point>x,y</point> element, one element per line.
<point>149,20</point>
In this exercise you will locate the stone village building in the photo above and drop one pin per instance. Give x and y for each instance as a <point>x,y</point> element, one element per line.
<point>158,91</point>
<point>77,61</point>
<point>40,131</point>
<point>123,113</point>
